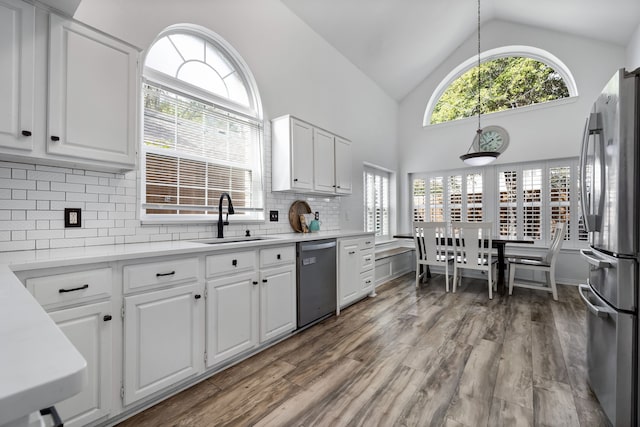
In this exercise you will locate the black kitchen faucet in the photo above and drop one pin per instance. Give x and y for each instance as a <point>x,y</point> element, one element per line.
<point>230,211</point>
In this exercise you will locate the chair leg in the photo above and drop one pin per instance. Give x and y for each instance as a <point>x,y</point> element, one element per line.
<point>417,275</point>
<point>512,276</point>
<point>490,282</point>
<point>551,279</point>
<point>446,275</point>
<point>455,278</point>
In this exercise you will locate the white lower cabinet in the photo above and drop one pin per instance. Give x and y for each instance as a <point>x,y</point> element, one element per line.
<point>162,339</point>
<point>232,319</point>
<point>249,308</point>
<point>277,302</point>
<point>89,329</point>
<point>356,269</point>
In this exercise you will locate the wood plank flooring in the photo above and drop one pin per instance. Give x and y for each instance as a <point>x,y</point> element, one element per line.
<point>410,357</point>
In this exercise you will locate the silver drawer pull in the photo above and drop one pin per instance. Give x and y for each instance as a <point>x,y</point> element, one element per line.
<point>171,273</point>
<point>79,288</point>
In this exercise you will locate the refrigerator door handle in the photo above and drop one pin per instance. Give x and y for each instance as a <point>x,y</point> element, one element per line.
<point>584,195</point>
<point>598,311</point>
<point>593,259</point>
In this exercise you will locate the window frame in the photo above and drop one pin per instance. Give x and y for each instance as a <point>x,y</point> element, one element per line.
<point>252,113</point>
<point>501,52</point>
<point>491,202</point>
<point>389,175</point>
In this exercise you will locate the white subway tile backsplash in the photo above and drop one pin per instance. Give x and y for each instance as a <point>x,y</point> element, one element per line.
<point>33,198</point>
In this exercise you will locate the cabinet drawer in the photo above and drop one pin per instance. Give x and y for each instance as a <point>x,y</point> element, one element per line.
<point>233,262</point>
<point>276,256</point>
<point>68,288</point>
<point>367,260</point>
<point>367,280</point>
<point>366,243</point>
<point>159,273</point>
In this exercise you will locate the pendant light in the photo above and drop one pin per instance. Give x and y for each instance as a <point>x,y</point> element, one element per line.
<point>478,158</point>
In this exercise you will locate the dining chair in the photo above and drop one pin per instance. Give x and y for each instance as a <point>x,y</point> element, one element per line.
<point>547,264</point>
<point>431,248</point>
<point>473,242</point>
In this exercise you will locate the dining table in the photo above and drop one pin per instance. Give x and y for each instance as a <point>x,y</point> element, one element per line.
<point>497,243</point>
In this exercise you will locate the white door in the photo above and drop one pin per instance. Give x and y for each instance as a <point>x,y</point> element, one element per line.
<point>323,161</point>
<point>232,316</point>
<point>277,302</point>
<point>17,41</point>
<point>349,271</point>
<point>343,166</point>
<point>162,340</point>
<point>89,330</point>
<point>92,95</point>
<point>301,155</point>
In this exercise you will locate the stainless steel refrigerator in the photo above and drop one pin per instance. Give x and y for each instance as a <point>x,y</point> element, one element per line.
<point>610,196</point>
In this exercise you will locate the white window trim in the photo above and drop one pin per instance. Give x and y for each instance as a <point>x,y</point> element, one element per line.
<point>501,52</point>
<point>185,89</point>
<point>392,200</point>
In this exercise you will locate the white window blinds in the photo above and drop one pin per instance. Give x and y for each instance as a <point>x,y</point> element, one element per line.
<point>508,203</point>
<point>193,151</point>
<point>560,198</point>
<point>419,200</point>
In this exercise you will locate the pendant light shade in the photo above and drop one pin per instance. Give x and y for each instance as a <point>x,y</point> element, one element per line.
<point>479,158</point>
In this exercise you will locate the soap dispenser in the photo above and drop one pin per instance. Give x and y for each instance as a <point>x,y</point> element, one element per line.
<point>315,223</point>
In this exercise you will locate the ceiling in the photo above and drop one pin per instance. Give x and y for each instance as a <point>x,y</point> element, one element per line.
<point>398,43</point>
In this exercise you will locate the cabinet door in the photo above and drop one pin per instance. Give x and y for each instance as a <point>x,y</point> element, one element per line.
<point>343,166</point>
<point>92,95</point>
<point>277,302</point>
<point>301,155</point>
<point>17,41</point>
<point>232,316</point>
<point>323,161</point>
<point>162,343</point>
<point>349,271</point>
<point>90,332</point>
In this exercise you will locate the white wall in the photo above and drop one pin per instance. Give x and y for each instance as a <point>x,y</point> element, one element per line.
<point>297,73</point>
<point>536,133</point>
<point>633,51</point>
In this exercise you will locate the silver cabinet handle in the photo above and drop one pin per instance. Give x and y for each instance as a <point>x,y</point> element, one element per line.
<point>598,311</point>
<point>592,259</point>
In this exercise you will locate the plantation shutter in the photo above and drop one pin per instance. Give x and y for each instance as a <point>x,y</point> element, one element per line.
<point>532,203</point>
<point>560,198</point>
<point>455,198</point>
<point>436,199</point>
<point>376,184</point>
<point>474,197</point>
<point>419,200</point>
<point>193,152</point>
<point>508,203</point>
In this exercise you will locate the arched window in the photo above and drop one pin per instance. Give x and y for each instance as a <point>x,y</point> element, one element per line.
<point>511,77</point>
<point>202,129</point>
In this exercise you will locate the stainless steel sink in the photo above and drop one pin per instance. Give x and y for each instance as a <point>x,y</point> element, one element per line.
<point>215,241</point>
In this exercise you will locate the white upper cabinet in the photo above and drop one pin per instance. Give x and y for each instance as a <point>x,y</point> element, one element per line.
<point>68,93</point>
<point>17,46</point>
<point>92,94</point>
<point>323,161</point>
<point>308,159</point>
<point>343,170</point>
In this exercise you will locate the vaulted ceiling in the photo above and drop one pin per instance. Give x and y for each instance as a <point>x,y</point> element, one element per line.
<point>398,43</point>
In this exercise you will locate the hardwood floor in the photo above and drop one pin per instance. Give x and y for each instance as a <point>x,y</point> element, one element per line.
<point>412,358</point>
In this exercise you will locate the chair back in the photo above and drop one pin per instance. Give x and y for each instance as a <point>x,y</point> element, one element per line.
<point>556,242</point>
<point>469,240</point>
<point>431,241</point>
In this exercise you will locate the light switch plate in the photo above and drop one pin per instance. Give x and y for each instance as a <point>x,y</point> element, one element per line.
<point>273,216</point>
<point>72,217</point>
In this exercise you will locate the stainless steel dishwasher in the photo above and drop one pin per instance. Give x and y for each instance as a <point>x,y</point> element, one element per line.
<point>316,280</point>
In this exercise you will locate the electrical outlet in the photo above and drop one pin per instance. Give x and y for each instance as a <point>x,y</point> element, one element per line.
<point>72,217</point>
<point>273,216</point>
